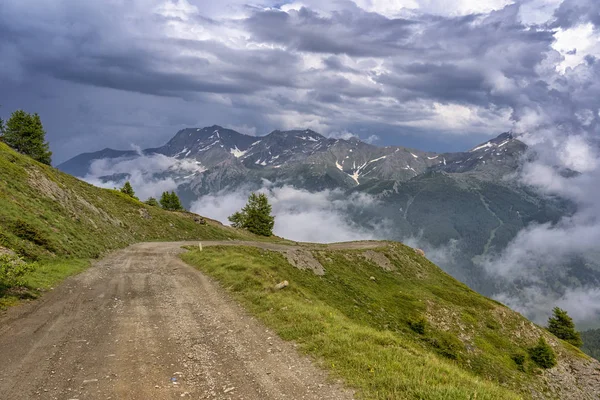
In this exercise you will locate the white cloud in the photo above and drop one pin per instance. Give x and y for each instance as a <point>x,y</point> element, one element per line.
<point>371,139</point>
<point>462,119</point>
<point>180,9</point>
<point>582,38</point>
<point>395,8</point>
<point>346,135</point>
<point>143,172</point>
<point>582,304</point>
<point>300,215</point>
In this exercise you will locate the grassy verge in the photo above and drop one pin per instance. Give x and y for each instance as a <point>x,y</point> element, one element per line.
<point>44,277</point>
<point>366,330</point>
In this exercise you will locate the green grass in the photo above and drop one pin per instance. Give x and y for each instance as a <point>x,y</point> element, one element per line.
<point>60,222</point>
<point>362,329</point>
<point>44,277</point>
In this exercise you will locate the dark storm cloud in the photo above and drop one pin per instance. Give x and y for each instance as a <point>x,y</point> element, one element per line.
<point>442,82</point>
<point>335,63</point>
<point>353,32</point>
<point>99,52</point>
<point>573,12</point>
<point>273,69</point>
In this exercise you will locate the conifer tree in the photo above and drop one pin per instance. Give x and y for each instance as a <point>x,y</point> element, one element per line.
<point>170,201</point>
<point>562,326</point>
<point>165,200</point>
<point>24,133</point>
<point>175,203</point>
<point>128,190</point>
<point>152,202</point>
<point>542,354</point>
<point>255,216</point>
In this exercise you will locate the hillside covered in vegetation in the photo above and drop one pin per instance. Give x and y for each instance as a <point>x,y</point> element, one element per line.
<point>395,326</point>
<point>57,223</point>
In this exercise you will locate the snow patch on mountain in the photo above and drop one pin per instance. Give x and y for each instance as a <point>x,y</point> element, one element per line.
<point>237,153</point>
<point>182,151</point>
<point>208,147</point>
<point>356,173</point>
<point>377,159</point>
<point>483,146</point>
<point>309,138</point>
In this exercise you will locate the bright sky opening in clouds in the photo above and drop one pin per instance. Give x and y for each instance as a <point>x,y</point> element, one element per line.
<point>432,74</point>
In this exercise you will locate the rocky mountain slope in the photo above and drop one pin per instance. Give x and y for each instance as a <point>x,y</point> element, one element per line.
<point>223,158</point>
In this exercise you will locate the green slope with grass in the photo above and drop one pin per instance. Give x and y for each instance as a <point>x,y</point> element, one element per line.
<point>411,333</point>
<point>57,223</point>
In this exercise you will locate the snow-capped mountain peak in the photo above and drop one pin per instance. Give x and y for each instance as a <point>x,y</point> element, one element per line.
<point>308,156</point>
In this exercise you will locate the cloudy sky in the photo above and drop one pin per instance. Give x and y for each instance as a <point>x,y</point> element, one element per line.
<point>433,74</point>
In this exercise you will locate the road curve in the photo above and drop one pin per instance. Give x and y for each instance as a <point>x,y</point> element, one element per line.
<point>141,324</point>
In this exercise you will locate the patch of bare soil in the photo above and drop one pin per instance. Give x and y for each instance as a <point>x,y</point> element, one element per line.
<point>303,259</point>
<point>379,259</point>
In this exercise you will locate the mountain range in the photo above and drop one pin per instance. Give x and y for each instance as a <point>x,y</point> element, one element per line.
<point>224,156</point>
<point>459,207</point>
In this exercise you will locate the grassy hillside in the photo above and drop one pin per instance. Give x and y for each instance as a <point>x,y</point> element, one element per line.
<point>412,332</point>
<point>60,222</point>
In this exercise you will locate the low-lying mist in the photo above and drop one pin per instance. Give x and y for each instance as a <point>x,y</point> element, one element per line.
<point>300,215</point>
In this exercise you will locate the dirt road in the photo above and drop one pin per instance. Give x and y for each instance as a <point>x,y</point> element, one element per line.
<point>141,324</point>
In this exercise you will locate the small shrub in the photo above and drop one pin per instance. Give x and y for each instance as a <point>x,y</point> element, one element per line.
<point>418,326</point>
<point>25,231</point>
<point>542,354</point>
<point>519,359</point>
<point>12,270</point>
<point>446,344</point>
<point>152,202</point>
<point>492,324</point>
